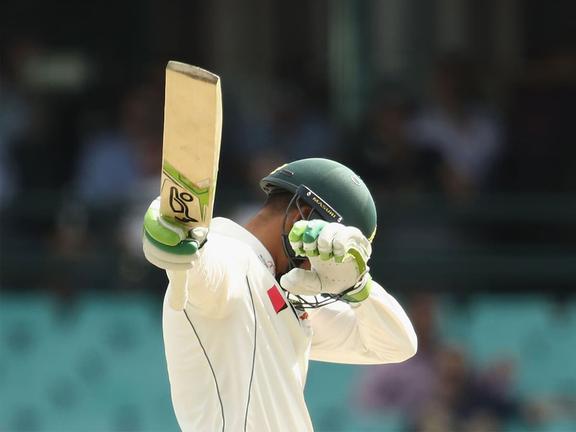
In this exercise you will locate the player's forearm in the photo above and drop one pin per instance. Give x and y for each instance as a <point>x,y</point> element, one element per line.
<point>384,327</point>
<point>206,288</point>
<point>373,331</point>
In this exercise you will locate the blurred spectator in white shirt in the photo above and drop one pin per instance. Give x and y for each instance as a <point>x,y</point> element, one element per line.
<point>458,128</point>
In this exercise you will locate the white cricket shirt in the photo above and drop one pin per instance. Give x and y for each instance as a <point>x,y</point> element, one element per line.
<point>238,354</point>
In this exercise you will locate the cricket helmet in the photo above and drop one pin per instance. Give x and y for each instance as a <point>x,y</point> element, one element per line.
<point>331,189</point>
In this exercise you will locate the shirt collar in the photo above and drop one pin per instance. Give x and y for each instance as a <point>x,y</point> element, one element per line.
<point>230,228</point>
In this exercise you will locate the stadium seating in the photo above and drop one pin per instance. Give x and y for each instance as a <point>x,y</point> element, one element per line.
<point>98,363</point>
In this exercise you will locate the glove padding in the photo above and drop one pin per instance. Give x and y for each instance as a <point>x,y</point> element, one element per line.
<point>338,256</point>
<point>170,245</point>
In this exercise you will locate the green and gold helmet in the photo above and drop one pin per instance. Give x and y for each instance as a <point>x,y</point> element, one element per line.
<point>331,189</point>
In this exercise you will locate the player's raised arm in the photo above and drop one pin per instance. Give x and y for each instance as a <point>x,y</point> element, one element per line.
<point>377,330</point>
<point>176,224</point>
<point>368,325</point>
<point>195,271</point>
<point>354,319</point>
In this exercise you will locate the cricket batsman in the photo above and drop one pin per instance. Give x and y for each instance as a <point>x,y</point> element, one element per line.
<point>293,284</point>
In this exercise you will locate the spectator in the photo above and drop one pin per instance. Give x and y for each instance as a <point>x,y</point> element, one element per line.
<point>383,154</point>
<point>294,128</point>
<point>15,111</point>
<point>115,163</point>
<point>406,387</point>
<point>300,128</point>
<point>117,174</point>
<point>457,127</point>
<point>438,389</point>
<point>467,399</point>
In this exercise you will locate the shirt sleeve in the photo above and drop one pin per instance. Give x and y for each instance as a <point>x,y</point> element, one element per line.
<point>375,331</point>
<point>208,281</point>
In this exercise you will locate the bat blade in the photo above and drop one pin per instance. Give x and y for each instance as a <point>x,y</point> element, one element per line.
<point>191,144</point>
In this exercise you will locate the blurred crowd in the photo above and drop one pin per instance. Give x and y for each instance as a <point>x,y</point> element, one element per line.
<point>75,151</point>
<point>443,388</point>
<point>468,133</point>
<point>79,163</point>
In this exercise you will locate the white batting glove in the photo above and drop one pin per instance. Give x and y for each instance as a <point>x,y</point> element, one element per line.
<point>338,256</point>
<point>170,245</point>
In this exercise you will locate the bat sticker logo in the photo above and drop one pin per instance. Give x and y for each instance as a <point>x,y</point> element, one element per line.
<point>179,204</point>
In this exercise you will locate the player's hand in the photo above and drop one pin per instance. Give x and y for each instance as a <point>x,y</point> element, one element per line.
<point>338,257</point>
<point>167,244</point>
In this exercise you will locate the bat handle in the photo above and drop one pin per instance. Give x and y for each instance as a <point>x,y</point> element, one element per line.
<point>178,290</point>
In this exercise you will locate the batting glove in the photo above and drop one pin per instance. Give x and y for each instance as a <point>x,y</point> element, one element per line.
<point>338,256</point>
<point>170,245</point>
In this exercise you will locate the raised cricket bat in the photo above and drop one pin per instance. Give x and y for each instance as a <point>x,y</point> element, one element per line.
<point>190,151</point>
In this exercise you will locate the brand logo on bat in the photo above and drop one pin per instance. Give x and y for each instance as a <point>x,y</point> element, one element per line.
<point>179,204</point>
<point>184,196</point>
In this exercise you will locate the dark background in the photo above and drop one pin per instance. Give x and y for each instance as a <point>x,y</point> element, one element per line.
<point>459,115</point>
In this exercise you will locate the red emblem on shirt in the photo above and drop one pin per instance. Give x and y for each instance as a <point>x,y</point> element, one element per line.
<point>277,299</point>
